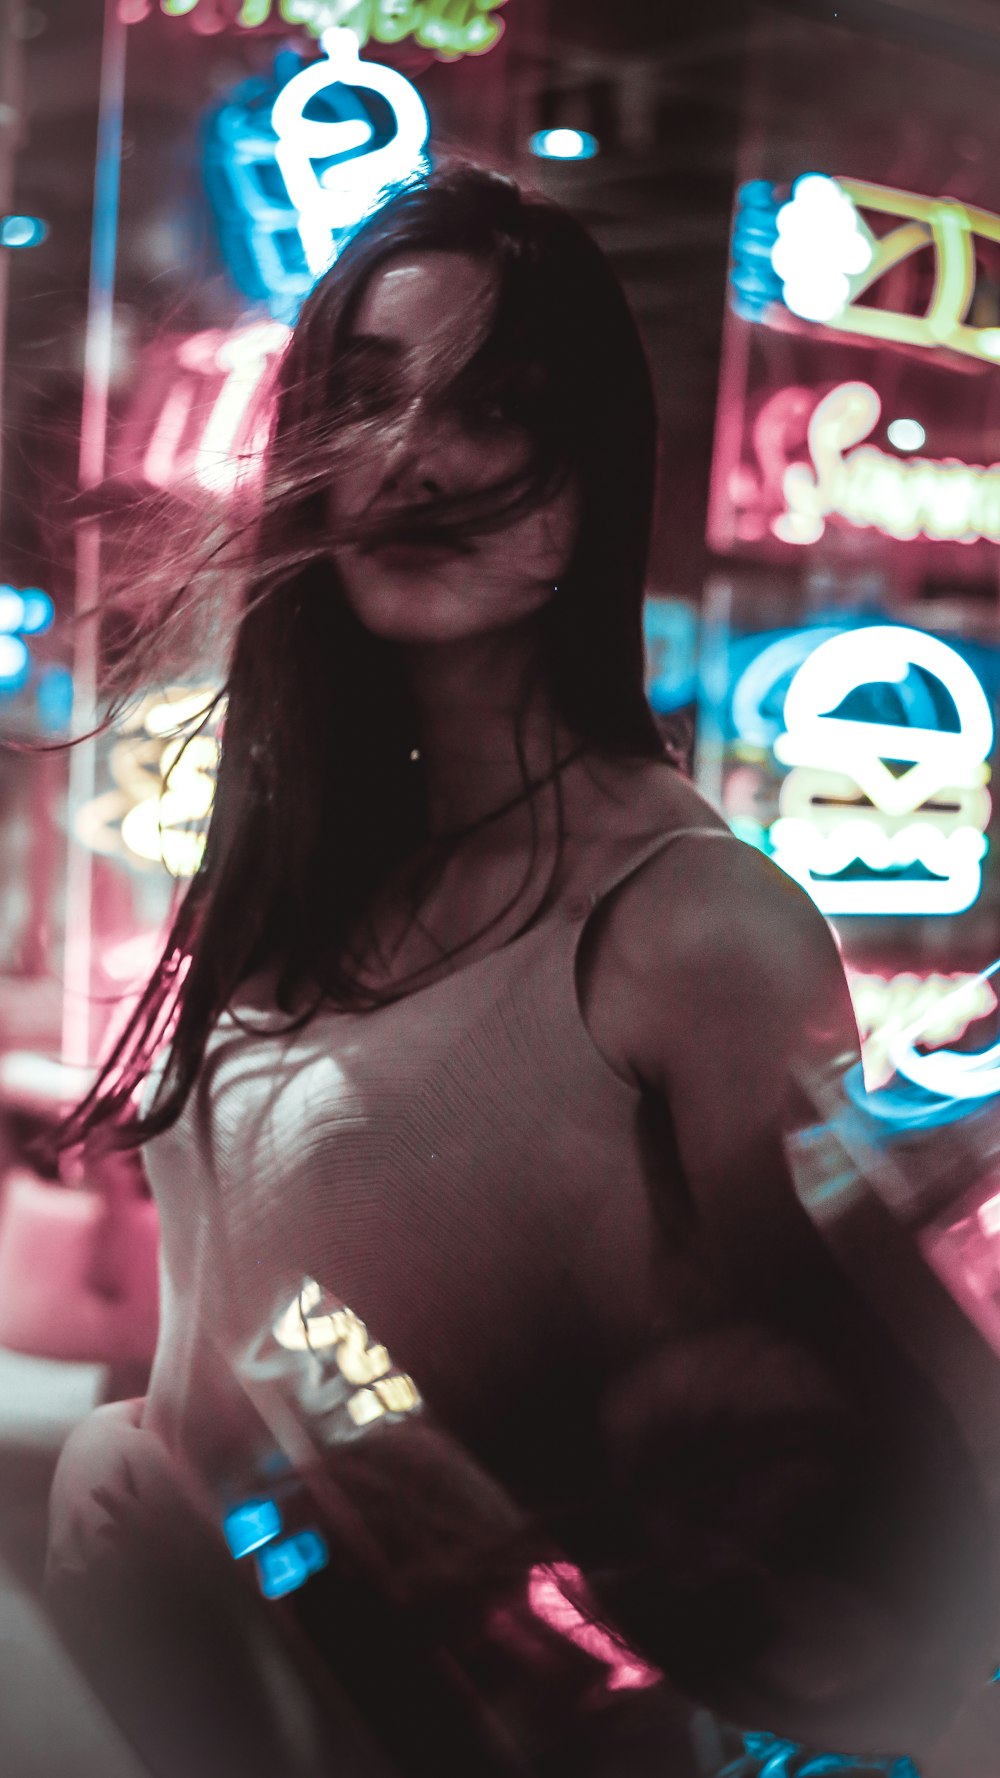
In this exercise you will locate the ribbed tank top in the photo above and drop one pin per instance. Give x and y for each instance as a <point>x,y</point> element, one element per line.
<point>462,1167</point>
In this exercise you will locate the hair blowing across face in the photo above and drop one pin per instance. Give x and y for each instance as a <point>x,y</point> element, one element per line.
<point>318,800</point>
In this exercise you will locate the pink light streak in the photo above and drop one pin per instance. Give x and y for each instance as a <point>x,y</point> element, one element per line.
<point>550,1589</point>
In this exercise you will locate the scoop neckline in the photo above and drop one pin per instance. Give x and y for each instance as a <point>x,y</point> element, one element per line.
<point>575,905</point>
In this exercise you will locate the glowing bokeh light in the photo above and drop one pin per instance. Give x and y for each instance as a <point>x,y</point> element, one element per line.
<point>821,243</point>
<point>451,28</point>
<point>22,231</point>
<point>11,610</point>
<point>251,1525</point>
<point>284,1567</point>
<point>941,1006</point>
<point>564,145</point>
<point>551,1590</point>
<point>906,435</point>
<point>14,662</point>
<point>38,611</point>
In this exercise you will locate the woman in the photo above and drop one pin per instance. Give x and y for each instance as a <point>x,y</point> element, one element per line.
<point>482,1019</point>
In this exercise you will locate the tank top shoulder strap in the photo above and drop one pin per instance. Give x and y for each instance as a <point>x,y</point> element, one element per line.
<point>581,905</point>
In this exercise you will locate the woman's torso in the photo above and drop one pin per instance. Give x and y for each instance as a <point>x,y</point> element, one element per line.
<point>468,1168</point>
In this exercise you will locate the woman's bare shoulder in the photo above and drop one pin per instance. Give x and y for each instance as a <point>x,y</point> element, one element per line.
<point>709,936</point>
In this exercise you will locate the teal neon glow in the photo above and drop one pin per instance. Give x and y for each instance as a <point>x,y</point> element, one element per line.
<point>564,145</point>
<point>22,231</point>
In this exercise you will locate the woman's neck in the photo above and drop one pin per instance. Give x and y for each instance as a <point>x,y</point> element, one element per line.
<point>476,700</point>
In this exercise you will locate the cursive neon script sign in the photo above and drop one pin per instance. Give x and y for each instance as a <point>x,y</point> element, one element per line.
<point>863,839</point>
<point>450,28</point>
<point>903,498</point>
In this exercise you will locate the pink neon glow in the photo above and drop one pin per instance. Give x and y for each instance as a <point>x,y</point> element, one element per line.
<point>206,423</point>
<point>132,12</point>
<point>550,1586</point>
<point>989,1216</point>
<point>965,1254</point>
<point>159,465</point>
<point>816,462</point>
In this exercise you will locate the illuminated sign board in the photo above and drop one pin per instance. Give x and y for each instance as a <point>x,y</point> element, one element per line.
<point>882,746</point>
<point>163,785</point>
<point>823,256</point>
<point>890,1008</point>
<point>450,28</point>
<point>288,183</point>
<point>827,275</point>
<point>903,498</point>
<point>196,424</point>
<point>946,1073</point>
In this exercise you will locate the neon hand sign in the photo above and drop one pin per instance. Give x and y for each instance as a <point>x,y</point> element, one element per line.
<point>832,272</point>
<point>332,198</point>
<point>870,488</point>
<point>841,807</point>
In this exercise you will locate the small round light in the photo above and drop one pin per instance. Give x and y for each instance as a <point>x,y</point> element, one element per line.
<point>38,611</point>
<point>564,145</point>
<point>11,610</point>
<point>22,231</point>
<point>14,662</point>
<point>54,698</point>
<point>906,435</point>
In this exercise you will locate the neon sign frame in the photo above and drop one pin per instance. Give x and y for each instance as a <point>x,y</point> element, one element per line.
<point>902,497</point>
<point>840,805</point>
<point>450,29</point>
<point>204,435</point>
<point>944,224</point>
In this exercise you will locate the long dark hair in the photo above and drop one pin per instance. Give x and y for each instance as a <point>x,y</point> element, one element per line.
<point>318,799</point>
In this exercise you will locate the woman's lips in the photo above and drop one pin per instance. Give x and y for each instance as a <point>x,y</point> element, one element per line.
<point>411,557</point>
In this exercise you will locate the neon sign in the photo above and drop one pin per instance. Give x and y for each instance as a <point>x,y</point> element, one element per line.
<point>164,784</point>
<point>450,28</point>
<point>201,429</point>
<point>821,242</point>
<point>25,613</point>
<point>948,1074</point>
<point>286,187</point>
<point>333,196</point>
<point>852,832</point>
<point>314,1321</point>
<point>904,499</point>
<point>826,256</point>
<point>558,1595</point>
<point>941,1007</point>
